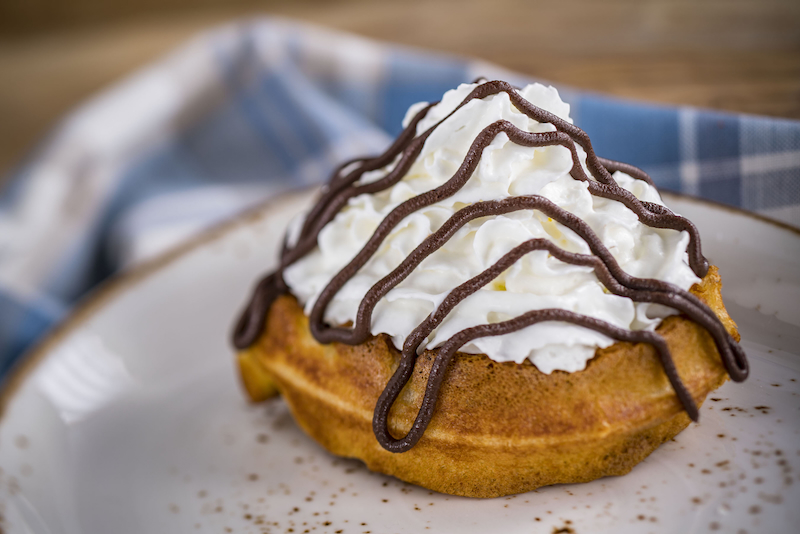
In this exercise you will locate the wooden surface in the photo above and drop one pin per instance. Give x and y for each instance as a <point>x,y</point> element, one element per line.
<point>725,54</point>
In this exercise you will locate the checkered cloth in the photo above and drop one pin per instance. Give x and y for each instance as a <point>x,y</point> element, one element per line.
<point>253,108</point>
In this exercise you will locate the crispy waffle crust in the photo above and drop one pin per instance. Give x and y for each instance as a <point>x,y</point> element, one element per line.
<point>498,428</point>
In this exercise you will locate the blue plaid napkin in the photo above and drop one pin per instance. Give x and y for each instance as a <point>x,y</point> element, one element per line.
<point>252,108</point>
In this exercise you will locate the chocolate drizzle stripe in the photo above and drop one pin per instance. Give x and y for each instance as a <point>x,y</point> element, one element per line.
<point>339,182</point>
<point>632,171</point>
<point>446,352</point>
<point>403,153</point>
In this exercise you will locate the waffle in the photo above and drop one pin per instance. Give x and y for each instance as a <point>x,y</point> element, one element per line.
<point>498,428</point>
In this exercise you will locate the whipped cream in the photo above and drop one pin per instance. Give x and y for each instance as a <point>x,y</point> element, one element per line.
<point>536,281</point>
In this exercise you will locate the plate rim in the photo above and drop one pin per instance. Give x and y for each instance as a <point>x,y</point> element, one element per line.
<point>117,283</point>
<point>104,292</point>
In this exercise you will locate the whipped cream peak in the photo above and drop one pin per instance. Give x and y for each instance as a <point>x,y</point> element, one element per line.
<point>538,281</point>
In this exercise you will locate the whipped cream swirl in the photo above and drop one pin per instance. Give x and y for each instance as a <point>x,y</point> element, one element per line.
<point>537,281</point>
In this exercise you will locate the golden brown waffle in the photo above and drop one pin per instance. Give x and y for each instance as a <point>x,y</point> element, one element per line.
<point>498,428</point>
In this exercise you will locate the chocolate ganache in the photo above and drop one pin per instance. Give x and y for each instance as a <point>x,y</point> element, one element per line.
<point>346,185</point>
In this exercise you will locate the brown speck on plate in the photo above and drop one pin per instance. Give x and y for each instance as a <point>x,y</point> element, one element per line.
<point>771,498</point>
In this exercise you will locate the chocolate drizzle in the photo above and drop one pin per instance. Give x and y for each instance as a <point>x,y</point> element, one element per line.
<point>403,152</point>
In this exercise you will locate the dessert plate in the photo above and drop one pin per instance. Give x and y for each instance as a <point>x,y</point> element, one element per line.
<point>129,417</point>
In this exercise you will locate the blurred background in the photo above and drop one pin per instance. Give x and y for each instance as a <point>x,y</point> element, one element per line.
<point>733,55</point>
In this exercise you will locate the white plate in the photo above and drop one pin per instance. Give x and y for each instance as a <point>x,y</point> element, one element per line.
<point>129,418</point>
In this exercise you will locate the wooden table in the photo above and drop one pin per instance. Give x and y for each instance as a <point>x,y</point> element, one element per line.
<point>731,55</point>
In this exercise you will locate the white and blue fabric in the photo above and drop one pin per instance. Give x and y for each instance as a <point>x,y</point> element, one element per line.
<point>256,107</point>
